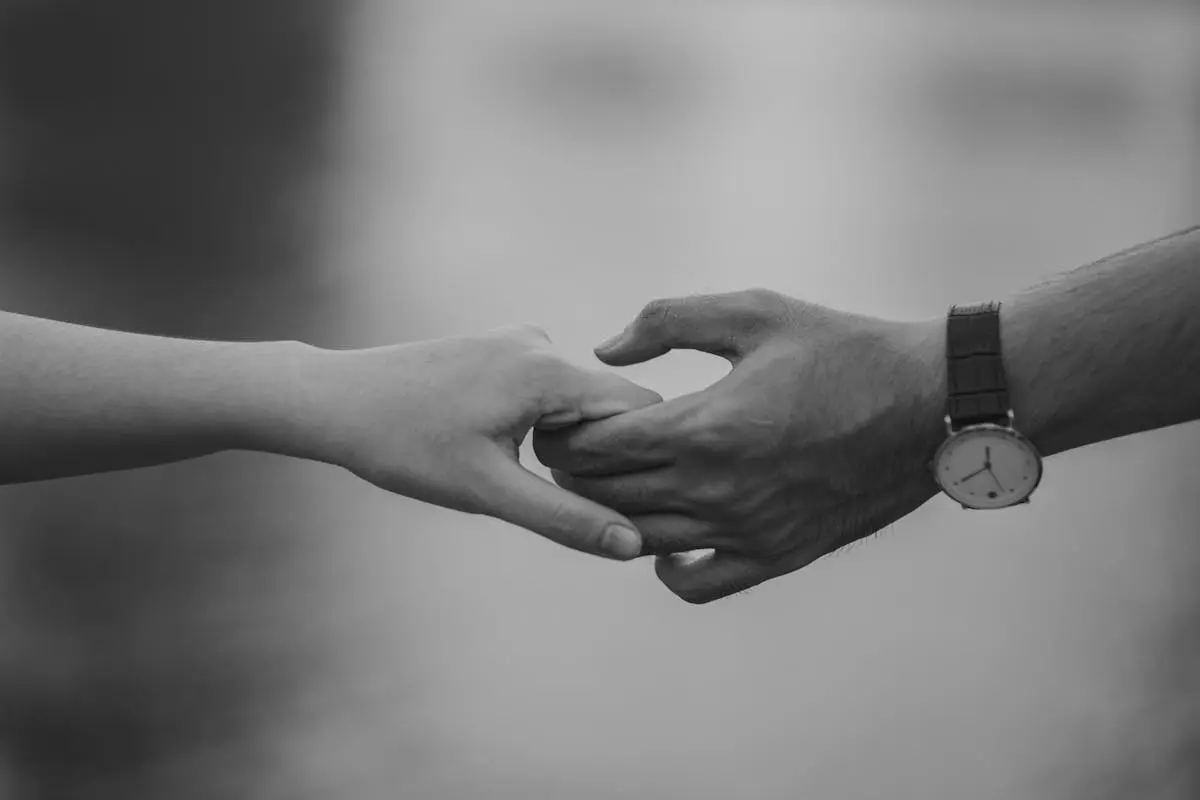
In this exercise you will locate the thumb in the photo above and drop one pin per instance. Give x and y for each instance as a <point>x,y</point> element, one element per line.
<point>514,494</point>
<point>726,325</point>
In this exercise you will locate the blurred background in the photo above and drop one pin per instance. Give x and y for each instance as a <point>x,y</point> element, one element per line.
<point>358,173</point>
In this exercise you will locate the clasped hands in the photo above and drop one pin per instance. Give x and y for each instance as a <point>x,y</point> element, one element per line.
<point>818,436</point>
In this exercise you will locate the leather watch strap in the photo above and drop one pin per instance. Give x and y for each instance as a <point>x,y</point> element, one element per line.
<point>978,389</point>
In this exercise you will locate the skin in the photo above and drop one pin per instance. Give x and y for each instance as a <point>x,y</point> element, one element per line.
<point>440,421</point>
<point>823,430</point>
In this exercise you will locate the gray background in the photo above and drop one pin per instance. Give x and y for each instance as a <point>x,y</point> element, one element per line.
<point>369,172</point>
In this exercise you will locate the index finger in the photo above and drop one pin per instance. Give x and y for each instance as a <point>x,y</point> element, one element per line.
<point>571,394</point>
<point>634,440</point>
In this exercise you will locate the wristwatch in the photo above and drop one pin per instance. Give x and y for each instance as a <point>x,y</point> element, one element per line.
<point>984,462</point>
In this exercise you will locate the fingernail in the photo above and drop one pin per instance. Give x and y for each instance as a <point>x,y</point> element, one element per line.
<point>611,341</point>
<point>621,542</point>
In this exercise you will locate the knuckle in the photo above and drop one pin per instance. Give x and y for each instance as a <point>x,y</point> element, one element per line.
<point>561,520</point>
<point>711,493</point>
<point>758,309</point>
<point>762,299</point>
<point>533,332</point>
<point>711,427</point>
<point>656,312</point>
<point>523,335</point>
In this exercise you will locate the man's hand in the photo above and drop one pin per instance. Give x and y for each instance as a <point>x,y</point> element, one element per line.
<point>441,421</point>
<point>820,435</point>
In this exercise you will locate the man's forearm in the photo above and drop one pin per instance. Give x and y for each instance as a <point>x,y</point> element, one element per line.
<point>823,430</point>
<point>76,400</point>
<point>1103,351</point>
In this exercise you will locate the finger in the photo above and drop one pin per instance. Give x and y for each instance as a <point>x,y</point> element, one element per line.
<point>711,576</point>
<point>665,534</point>
<point>643,492</point>
<point>629,442</point>
<point>512,493</point>
<point>727,325</point>
<point>571,395</point>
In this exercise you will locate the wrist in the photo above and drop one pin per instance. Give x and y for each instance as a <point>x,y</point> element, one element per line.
<point>289,413</point>
<point>924,344</point>
<point>1031,415</point>
<point>928,343</point>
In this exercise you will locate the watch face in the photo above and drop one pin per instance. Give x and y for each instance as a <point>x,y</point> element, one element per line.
<point>987,466</point>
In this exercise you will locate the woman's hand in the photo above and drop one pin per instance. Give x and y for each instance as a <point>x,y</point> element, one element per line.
<point>441,421</point>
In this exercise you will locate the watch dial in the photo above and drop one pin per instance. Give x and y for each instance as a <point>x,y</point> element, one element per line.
<point>988,467</point>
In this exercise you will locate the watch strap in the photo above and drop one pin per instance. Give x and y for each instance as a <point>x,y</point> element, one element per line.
<point>978,389</point>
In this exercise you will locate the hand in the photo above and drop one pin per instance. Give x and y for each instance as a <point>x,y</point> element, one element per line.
<point>820,435</point>
<point>441,421</point>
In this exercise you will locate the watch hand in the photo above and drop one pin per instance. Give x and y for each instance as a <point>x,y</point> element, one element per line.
<point>997,480</point>
<point>965,478</point>
<point>987,459</point>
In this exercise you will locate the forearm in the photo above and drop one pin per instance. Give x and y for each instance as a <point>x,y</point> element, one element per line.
<point>1103,351</point>
<point>1109,349</point>
<point>77,400</point>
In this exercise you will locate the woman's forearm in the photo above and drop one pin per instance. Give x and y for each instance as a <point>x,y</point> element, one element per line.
<point>439,421</point>
<point>76,400</point>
